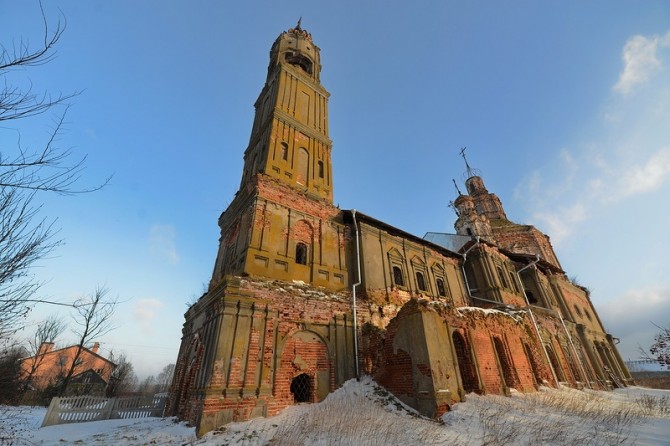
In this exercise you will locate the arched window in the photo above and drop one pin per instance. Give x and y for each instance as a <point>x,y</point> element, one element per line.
<point>302,168</point>
<point>420,282</point>
<point>397,276</point>
<point>440,287</point>
<point>301,388</point>
<point>284,151</point>
<point>301,253</point>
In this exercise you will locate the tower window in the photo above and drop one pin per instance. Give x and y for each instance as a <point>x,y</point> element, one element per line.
<point>441,291</point>
<point>284,151</point>
<point>420,282</point>
<point>301,254</point>
<point>397,276</point>
<point>320,169</point>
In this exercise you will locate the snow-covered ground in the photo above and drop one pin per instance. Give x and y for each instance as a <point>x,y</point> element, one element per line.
<point>361,413</point>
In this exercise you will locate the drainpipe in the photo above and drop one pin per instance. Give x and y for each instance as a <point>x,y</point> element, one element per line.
<point>465,276</point>
<point>353,294</point>
<point>532,317</point>
<point>574,350</point>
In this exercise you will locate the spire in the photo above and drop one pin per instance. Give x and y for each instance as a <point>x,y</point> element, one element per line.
<point>299,22</point>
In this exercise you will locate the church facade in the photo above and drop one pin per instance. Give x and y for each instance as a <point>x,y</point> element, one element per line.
<point>305,296</point>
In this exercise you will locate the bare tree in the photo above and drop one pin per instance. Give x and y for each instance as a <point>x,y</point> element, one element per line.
<point>46,333</point>
<point>123,379</point>
<point>660,349</point>
<point>164,378</point>
<point>24,172</point>
<point>147,386</point>
<point>92,319</point>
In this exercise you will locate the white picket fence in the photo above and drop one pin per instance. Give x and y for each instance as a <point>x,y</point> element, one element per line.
<point>78,409</point>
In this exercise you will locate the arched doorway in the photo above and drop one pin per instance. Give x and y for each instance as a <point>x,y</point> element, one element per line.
<point>465,363</point>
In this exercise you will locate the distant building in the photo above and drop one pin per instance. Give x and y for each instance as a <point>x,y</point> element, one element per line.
<point>91,374</point>
<point>305,296</point>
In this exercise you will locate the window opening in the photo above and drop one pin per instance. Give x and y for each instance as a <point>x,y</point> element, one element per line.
<point>531,298</point>
<point>440,287</point>
<point>301,388</point>
<point>579,313</point>
<point>420,282</point>
<point>284,151</point>
<point>472,278</point>
<point>301,254</point>
<point>397,276</point>
<point>320,169</point>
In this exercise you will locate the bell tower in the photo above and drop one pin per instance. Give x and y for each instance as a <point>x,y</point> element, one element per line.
<point>282,224</point>
<point>289,138</point>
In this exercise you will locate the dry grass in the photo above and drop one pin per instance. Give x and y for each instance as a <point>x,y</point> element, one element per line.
<point>369,415</point>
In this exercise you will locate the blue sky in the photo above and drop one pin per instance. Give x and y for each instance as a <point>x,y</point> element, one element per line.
<point>564,107</point>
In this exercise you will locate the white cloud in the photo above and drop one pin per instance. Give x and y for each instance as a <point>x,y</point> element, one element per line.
<point>145,312</point>
<point>162,239</point>
<point>648,177</point>
<point>640,60</point>
<point>559,224</point>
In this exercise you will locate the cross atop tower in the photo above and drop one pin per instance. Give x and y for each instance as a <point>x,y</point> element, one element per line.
<point>467,166</point>
<point>469,171</point>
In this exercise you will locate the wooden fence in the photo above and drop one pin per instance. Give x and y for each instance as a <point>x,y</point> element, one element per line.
<point>77,409</point>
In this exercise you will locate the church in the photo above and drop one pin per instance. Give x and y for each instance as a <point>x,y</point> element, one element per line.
<point>305,296</point>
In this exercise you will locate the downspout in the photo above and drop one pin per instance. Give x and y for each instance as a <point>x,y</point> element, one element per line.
<point>574,350</point>
<point>532,317</point>
<point>465,276</point>
<point>353,294</point>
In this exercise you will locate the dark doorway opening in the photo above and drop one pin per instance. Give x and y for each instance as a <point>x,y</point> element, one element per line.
<point>301,388</point>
